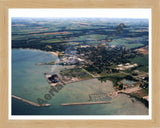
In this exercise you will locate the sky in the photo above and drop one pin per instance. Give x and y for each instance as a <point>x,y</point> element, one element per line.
<point>109,13</point>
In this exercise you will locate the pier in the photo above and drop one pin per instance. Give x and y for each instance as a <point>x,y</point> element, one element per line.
<point>86,103</point>
<point>30,102</point>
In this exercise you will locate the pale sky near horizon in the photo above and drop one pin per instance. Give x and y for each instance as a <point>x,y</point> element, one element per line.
<point>108,13</point>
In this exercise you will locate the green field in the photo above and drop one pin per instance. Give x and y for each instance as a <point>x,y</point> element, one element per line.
<point>142,60</point>
<point>76,72</point>
<point>36,33</point>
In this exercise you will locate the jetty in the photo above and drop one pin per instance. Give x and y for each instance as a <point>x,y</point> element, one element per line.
<point>86,103</point>
<point>30,102</point>
<point>38,64</point>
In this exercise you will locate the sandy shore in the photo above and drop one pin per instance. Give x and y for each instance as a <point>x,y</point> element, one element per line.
<point>146,97</point>
<point>55,53</point>
<point>130,90</point>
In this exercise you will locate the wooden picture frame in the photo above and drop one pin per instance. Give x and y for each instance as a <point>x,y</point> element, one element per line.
<point>4,63</point>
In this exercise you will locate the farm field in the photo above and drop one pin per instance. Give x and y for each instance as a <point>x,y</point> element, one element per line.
<point>60,33</point>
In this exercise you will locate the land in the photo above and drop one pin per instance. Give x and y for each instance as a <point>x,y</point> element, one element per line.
<point>81,43</point>
<point>58,34</point>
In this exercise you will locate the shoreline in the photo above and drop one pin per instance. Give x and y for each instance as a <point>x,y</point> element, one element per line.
<point>142,100</point>
<point>51,52</point>
<point>54,53</point>
<point>132,90</point>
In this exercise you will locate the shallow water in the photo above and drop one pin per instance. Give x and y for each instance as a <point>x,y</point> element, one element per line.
<point>28,82</point>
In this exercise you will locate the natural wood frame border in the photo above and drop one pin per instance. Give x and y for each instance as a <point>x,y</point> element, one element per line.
<point>6,4</point>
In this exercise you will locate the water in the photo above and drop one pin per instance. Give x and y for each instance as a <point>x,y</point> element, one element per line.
<point>29,83</point>
<point>124,81</point>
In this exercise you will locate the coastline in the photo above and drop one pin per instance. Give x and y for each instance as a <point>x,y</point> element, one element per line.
<point>142,100</point>
<point>51,52</point>
<point>54,53</point>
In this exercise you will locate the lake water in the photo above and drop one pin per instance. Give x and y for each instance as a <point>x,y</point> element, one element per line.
<point>28,82</point>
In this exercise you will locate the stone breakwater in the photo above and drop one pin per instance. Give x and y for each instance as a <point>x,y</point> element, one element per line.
<point>30,102</point>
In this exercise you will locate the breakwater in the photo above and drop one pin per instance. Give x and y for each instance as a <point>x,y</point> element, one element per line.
<point>86,103</point>
<point>30,102</point>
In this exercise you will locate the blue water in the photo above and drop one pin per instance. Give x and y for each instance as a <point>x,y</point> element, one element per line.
<point>28,82</point>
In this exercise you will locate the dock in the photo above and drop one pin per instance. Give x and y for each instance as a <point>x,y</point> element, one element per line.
<point>86,103</point>
<point>30,102</point>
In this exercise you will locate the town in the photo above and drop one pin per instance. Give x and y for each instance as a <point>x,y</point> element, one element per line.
<point>102,62</point>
